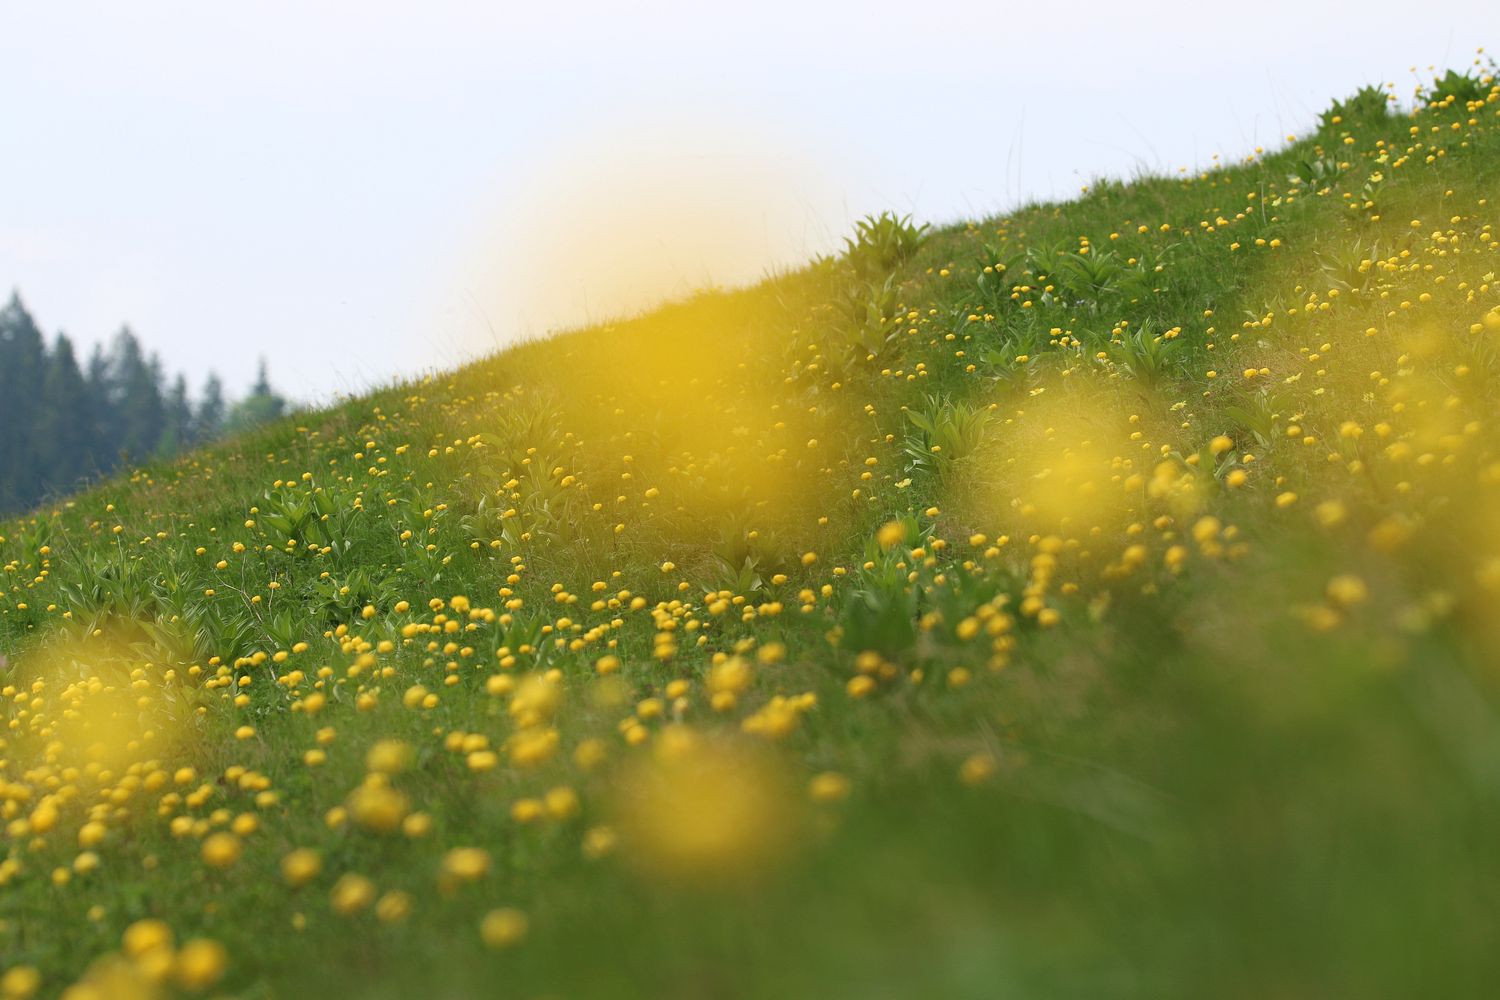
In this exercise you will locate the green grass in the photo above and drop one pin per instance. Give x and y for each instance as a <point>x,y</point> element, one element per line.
<point>1171,672</point>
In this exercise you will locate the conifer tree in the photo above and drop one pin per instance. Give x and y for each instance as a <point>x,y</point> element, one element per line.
<point>23,359</point>
<point>178,430</point>
<point>102,415</point>
<point>60,425</point>
<point>208,422</point>
<point>136,395</point>
<point>62,439</point>
<point>262,405</point>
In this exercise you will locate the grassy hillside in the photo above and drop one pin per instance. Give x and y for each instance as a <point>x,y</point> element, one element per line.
<point>1100,600</point>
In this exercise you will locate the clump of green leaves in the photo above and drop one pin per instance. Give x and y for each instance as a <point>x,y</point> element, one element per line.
<point>881,243</point>
<point>1016,351</point>
<point>742,579</point>
<point>1259,416</point>
<point>1315,171</point>
<point>1368,105</point>
<point>880,610</point>
<point>945,432</point>
<point>996,276</point>
<point>1349,265</point>
<point>1147,356</point>
<point>1101,275</point>
<point>1455,88</point>
<point>868,318</point>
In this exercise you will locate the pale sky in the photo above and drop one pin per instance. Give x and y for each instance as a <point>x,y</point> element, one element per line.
<point>366,190</point>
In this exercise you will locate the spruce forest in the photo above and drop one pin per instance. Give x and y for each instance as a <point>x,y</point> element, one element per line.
<point>65,422</point>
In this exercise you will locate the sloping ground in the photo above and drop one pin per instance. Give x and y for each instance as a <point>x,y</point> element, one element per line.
<point>1096,601</point>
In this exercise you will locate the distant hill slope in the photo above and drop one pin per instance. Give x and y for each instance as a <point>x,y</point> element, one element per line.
<point>1099,600</point>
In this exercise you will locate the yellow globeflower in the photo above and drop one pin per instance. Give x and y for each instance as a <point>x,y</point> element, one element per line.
<point>44,817</point>
<point>530,747</point>
<point>1347,590</point>
<point>891,533</point>
<point>482,760</point>
<point>536,700</point>
<point>377,806</point>
<point>350,894</point>
<point>389,756</point>
<point>463,864</point>
<point>728,680</point>
<point>417,825</point>
<point>562,803</point>
<point>220,850</point>
<point>598,841</point>
<point>20,983</point>
<point>830,786</point>
<point>503,927</point>
<point>976,769</point>
<point>145,936</point>
<point>200,964</point>
<point>301,866</point>
<point>705,809</point>
<point>393,907</point>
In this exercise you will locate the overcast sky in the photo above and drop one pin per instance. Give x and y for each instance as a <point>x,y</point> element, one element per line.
<point>361,190</point>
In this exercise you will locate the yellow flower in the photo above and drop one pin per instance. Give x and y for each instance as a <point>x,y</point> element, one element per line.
<point>220,850</point>
<point>536,700</point>
<point>976,769</point>
<point>728,680</point>
<point>561,803</point>
<point>416,826</point>
<point>705,808</point>
<point>393,907</point>
<point>43,817</point>
<point>389,756</point>
<point>301,866</point>
<point>830,786</point>
<point>200,964</point>
<point>891,534</point>
<point>527,810</point>
<point>503,928</point>
<point>598,841</point>
<point>1330,513</point>
<point>1347,590</point>
<point>351,894</point>
<point>530,747</point>
<point>482,760</point>
<point>463,864</point>
<point>146,936</point>
<point>378,807</point>
<point>20,982</point>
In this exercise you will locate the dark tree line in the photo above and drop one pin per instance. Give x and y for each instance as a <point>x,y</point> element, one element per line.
<point>64,421</point>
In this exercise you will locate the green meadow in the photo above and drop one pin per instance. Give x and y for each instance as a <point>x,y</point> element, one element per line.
<point>1099,600</point>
